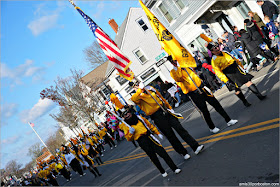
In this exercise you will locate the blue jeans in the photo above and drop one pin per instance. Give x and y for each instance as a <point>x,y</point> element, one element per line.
<point>178,97</point>
<point>274,17</point>
<point>236,53</point>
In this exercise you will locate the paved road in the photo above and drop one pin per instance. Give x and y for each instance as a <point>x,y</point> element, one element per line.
<point>247,152</point>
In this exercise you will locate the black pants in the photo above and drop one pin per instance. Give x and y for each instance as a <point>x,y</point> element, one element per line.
<point>65,173</point>
<point>109,141</point>
<point>76,166</point>
<point>152,149</point>
<point>166,123</point>
<point>200,101</point>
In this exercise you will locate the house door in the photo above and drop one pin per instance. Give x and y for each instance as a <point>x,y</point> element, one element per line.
<point>225,22</point>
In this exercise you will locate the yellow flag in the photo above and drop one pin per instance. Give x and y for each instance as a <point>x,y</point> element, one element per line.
<point>116,101</point>
<point>206,38</point>
<point>168,42</point>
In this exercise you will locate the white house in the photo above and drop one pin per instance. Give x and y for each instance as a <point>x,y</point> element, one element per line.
<point>187,19</point>
<point>138,42</point>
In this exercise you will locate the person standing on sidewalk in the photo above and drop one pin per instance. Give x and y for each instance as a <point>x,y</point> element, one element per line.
<point>229,70</point>
<point>141,130</point>
<point>187,84</point>
<point>165,121</point>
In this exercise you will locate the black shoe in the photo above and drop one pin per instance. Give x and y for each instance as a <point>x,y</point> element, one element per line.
<point>262,97</point>
<point>247,104</point>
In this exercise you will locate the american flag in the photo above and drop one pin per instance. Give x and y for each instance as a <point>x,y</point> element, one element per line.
<point>31,124</point>
<point>109,47</point>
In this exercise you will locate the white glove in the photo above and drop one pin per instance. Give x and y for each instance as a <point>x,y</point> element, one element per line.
<point>131,130</point>
<point>171,110</point>
<point>178,65</point>
<point>160,136</point>
<point>175,68</point>
<point>141,85</point>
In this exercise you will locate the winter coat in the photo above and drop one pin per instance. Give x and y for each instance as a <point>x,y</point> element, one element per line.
<point>258,20</point>
<point>254,32</point>
<point>231,41</point>
<point>272,28</point>
<point>269,8</point>
<point>251,45</point>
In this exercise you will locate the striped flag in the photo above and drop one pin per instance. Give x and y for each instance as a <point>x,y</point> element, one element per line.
<point>168,42</point>
<point>114,54</point>
<point>31,124</point>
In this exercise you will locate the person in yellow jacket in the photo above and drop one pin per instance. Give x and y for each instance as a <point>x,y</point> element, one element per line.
<point>165,121</point>
<point>88,160</point>
<point>141,130</point>
<point>230,71</point>
<point>103,133</point>
<point>186,82</point>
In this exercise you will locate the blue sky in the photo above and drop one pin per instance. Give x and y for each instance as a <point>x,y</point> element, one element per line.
<point>41,40</point>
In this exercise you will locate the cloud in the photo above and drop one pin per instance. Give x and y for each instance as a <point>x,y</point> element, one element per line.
<point>39,109</point>
<point>43,24</point>
<point>9,109</point>
<point>100,9</point>
<point>23,70</point>
<point>10,140</point>
<point>45,19</point>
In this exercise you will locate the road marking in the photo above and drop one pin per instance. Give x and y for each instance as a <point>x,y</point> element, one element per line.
<point>169,148</point>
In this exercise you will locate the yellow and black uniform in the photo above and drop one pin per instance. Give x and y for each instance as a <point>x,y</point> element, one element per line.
<point>228,68</point>
<point>103,133</point>
<point>164,120</point>
<point>199,99</point>
<point>151,147</point>
<point>88,159</point>
<point>230,71</point>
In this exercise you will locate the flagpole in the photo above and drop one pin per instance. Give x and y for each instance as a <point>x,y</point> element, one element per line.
<point>39,137</point>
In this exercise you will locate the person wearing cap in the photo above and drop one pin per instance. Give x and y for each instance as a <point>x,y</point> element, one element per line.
<point>156,106</point>
<point>230,71</point>
<point>142,131</point>
<point>191,84</point>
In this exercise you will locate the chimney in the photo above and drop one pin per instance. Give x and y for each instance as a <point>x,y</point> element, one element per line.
<point>114,25</point>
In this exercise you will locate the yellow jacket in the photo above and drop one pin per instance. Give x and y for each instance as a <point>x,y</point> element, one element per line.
<point>219,63</point>
<point>102,132</point>
<point>116,101</point>
<point>184,81</point>
<point>94,139</point>
<point>146,102</point>
<point>90,141</point>
<point>140,129</point>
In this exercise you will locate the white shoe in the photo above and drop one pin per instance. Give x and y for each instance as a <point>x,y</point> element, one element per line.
<point>115,145</point>
<point>111,147</point>
<point>215,130</point>
<point>198,149</point>
<point>232,122</point>
<point>176,105</point>
<point>187,156</point>
<point>164,174</point>
<point>84,173</point>
<point>177,171</point>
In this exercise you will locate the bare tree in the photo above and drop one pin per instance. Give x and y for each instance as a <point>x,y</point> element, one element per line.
<point>76,101</point>
<point>13,167</point>
<point>55,141</point>
<point>94,54</point>
<point>35,151</point>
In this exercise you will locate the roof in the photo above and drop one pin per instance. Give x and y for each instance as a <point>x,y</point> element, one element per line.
<point>96,76</point>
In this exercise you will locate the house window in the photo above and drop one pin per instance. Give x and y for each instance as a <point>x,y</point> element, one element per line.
<point>140,55</point>
<point>164,11</point>
<point>121,80</point>
<point>180,4</point>
<point>243,9</point>
<point>142,24</point>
